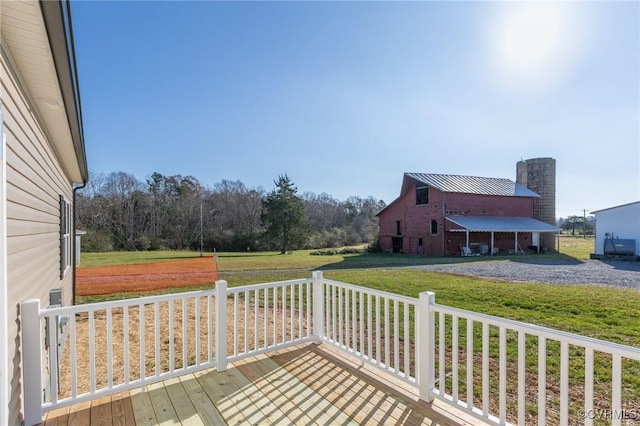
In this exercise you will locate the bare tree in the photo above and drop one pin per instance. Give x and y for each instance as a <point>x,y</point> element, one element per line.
<point>236,214</point>
<point>120,212</point>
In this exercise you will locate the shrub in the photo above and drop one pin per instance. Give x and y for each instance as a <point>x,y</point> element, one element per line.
<point>142,243</point>
<point>351,250</point>
<point>329,252</point>
<point>374,246</point>
<point>95,242</point>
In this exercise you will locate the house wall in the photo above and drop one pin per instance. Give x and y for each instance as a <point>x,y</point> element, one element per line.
<point>415,221</point>
<point>35,180</point>
<point>623,222</point>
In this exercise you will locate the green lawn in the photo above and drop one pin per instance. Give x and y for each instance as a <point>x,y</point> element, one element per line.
<point>596,311</point>
<point>600,312</point>
<point>570,248</point>
<point>577,247</point>
<point>92,260</point>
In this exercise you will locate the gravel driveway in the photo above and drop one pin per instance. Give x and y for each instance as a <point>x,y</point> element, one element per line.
<point>615,272</point>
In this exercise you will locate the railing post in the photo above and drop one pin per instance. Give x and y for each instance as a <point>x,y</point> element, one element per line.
<point>221,325</point>
<point>318,306</point>
<point>32,361</point>
<point>425,345</point>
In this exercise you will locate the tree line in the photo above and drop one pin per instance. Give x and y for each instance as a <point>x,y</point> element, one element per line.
<point>120,212</point>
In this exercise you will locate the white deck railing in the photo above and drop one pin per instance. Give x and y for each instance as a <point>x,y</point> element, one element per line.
<point>495,369</point>
<point>519,372</point>
<point>376,326</point>
<point>267,317</point>
<point>92,350</point>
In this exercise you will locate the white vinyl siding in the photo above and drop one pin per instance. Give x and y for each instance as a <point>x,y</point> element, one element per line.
<point>4,309</point>
<point>621,221</point>
<point>35,182</point>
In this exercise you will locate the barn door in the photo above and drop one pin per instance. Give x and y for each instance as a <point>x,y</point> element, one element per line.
<point>396,243</point>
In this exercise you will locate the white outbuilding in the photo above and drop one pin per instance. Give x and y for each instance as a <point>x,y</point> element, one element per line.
<point>618,230</point>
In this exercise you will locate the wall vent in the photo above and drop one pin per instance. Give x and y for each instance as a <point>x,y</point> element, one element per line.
<point>55,297</point>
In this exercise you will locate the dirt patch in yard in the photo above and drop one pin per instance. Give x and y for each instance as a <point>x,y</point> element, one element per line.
<point>146,276</point>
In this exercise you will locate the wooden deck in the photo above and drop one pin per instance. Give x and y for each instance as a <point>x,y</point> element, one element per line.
<point>303,385</point>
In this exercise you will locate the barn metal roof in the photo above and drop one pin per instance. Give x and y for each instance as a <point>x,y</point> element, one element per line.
<point>500,224</point>
<point>473,185</point>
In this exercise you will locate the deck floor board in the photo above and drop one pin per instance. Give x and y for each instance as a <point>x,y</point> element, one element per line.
<point>203,405</point>
<point>305,384</point>
<point>259,375</point>
<point>122,410</point>
<point>185,410</point>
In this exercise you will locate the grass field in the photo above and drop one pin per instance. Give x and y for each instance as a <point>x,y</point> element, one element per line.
<point>577,247</point>
<point>596,311</point>
<point>601,312</point>
<point>570,247</point>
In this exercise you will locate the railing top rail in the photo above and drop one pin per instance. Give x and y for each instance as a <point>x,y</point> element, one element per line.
<point>549,333</point>
<point>251,287</point>
<point>120,303</point>
<point>366,290</point>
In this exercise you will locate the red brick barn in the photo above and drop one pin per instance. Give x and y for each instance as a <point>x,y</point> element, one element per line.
<point>450,214</point>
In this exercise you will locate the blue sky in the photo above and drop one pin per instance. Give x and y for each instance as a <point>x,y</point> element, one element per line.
<point>345,97</point>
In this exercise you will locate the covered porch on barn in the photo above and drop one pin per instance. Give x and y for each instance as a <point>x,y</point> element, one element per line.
<point>520,227</point>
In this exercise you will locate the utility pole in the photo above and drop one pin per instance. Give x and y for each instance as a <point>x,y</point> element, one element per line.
<point>201,242</point>
<point>584,223</point>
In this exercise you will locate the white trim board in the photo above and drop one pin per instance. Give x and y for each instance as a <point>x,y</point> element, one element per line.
<point>4,311</point>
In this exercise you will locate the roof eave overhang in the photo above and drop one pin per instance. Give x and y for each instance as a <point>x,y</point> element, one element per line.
<point>61,42</point>
<point>615,207</point>
<point>547,229</point>
<point>503,230</point>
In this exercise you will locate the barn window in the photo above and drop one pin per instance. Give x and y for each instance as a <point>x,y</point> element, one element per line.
<point>398,228</point>
<point>65,236</point>
<point>434,227</point>
<point>422,195</point>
